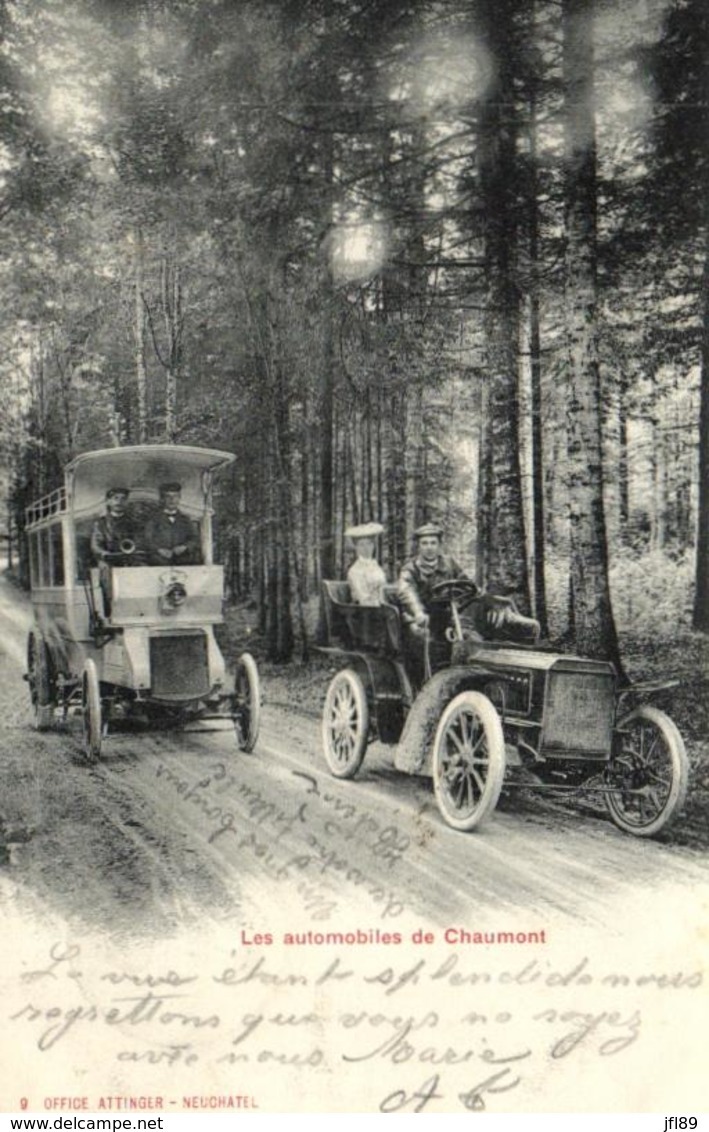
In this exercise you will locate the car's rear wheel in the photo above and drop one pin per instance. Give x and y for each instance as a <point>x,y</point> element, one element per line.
<point>247,702</point>
<point>345,724</point>
<point>41,682</point>
<point>468,760</point>
<point>92,714</point>
<point>649,774</point>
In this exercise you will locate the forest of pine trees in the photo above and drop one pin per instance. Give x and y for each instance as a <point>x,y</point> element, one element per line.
<point>435,259</point>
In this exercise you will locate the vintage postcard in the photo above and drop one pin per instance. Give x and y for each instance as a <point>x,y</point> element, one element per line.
<point>354,738</point>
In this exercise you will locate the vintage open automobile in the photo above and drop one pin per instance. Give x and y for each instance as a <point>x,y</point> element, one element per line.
<point>128,640</point>
<point>493,706</point>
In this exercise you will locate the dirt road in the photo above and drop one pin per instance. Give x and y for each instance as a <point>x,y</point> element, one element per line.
<point>174,829</point>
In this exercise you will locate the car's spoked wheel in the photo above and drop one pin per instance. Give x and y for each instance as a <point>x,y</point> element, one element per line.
<point>91,711</point>
<point>247,702</point>
<point>468,760</point>
<point>41,682</point>
<point>345,724</point>
<point>649,774</point>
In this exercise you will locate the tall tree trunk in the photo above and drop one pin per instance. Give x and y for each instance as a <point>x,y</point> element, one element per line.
<point>369,509</point>
<point>315,561</point>
<point>246,547</point>
<point>326,454</point>
<point>8,510</point>
<point>327,401</point>
<point>141,378</point>
<point>506,553</point>
<point>535,354</point>
<point>658,496</point>
<point>356,511</point>
<point>172,316</point>
<point>306,524</point>
<point>41,407</point>
<point>594,626</point>
<point>700,618</point>
<point>538,535</point>
<point>623,478</point>
<point>281,637</point>
<point>342,466</point>
<point>414,505</point>
<point>485,495</point>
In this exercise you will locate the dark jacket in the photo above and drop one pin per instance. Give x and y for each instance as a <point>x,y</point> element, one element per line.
<point>417,579</point>
<point>165,532</point>
<point>109,532</point>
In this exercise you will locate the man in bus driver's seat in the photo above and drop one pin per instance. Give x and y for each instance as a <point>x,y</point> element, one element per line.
<point>171,538</point>
<point>113,539</point>
<point>114,534</point>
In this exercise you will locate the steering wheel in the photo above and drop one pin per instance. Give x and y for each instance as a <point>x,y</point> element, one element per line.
<point>461,590</point>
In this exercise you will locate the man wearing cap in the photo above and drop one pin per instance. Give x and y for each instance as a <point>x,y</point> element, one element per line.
<point>365,576</point>
<point>114,532</point>
<point>112,540</point>
<point>422,573</point>
<point>418,576</point>
<point>171,537</point>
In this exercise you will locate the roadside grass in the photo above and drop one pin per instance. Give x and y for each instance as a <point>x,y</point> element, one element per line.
<point>24,774</point>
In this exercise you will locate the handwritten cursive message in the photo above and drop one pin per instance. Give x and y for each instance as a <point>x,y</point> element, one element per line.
<point>368,1024</point>
<point>307,845</point>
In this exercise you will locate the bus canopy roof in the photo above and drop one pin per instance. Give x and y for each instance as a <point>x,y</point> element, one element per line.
<point>141,469</point>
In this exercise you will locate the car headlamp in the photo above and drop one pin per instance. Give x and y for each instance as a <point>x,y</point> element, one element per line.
<point>174,592</point>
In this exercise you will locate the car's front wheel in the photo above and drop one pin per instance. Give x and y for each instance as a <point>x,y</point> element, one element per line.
<point>648,777</point>
<point>468,760</point>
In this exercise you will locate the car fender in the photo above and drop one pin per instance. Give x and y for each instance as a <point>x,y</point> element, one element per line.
<point>413,752</point>
<point>385,682</point>
<point>381,676</point>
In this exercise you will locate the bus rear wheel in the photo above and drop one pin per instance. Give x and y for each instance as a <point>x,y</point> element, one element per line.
<point>41,682</point>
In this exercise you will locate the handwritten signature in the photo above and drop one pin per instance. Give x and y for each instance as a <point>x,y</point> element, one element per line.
<point>472,1099</point>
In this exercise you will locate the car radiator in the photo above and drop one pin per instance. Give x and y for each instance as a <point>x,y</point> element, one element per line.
<point>179,667</point>
<point>578,712</point>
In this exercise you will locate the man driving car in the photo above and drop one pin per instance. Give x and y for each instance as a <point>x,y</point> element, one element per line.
<point>420,574</point>
<point>427,617</point>
<point>417,579</point>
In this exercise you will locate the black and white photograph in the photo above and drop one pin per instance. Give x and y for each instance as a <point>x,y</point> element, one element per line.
<point>354,557</point>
